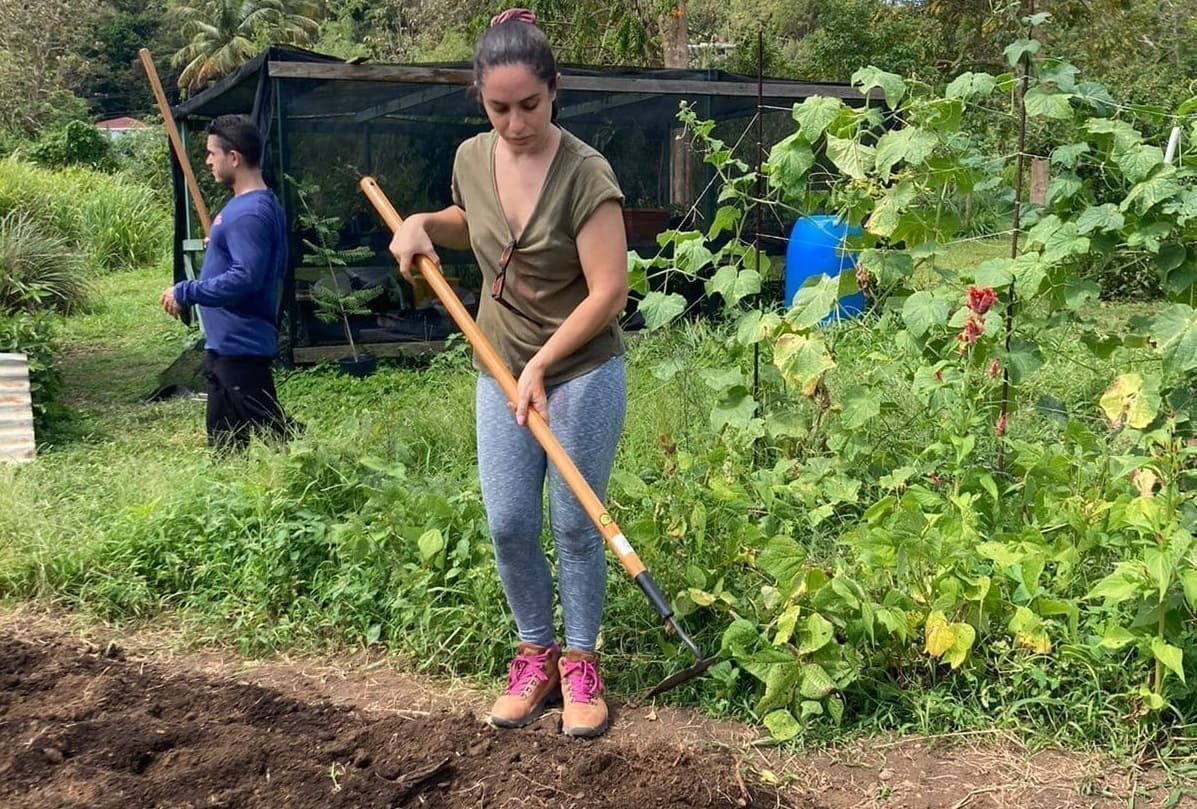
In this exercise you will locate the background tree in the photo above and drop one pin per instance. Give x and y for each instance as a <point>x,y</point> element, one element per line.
<point>226,33</point>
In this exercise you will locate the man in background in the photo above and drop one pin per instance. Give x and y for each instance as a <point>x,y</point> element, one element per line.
<point>238,290</point>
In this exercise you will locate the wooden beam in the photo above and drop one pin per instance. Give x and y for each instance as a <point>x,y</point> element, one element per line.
<point>404,102</point>
<point>411,74</point>
<point>606,103</point>
<point>407,348</point>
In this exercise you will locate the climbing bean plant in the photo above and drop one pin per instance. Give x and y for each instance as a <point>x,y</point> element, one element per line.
<point>933,510</point>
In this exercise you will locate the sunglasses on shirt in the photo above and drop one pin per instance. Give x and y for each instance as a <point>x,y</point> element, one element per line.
<point>496,289</point>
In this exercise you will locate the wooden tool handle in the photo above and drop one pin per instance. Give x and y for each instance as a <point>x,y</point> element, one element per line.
<point>176,142</point>
<point>495,366</point>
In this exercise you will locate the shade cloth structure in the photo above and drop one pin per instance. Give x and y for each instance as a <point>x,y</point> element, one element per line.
<point>327,121</point>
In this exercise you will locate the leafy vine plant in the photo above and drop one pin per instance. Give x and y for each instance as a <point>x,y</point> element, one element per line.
<point>1006,525</point>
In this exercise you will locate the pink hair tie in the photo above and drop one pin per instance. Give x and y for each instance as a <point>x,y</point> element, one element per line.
<point>517,14</point>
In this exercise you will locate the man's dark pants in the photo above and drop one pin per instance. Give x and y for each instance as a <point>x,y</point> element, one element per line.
<point>241,400</point>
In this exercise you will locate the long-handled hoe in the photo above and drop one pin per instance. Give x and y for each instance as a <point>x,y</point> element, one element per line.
<point>486,353</point>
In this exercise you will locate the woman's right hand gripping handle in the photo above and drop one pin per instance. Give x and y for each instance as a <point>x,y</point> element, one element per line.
<point>411,240</point>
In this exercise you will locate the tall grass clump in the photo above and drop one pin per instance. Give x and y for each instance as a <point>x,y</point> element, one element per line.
<point>39,269</point>
<point>110,219</point>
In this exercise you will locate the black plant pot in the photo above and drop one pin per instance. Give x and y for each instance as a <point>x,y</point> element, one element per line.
<point>363,366</point>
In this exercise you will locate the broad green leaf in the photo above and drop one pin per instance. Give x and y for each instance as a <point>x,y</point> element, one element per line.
<point>734,284</point>
<point>1138,162</point>
<point>816,683</point>
<point>726,218</point>
<point>813,302</point>
<point>970,85</point>
<point>814,633</point>
<point>1016,50</point>
<point>1169,655</point>
<point>814,114</point>
<point>850,156</point>
<point>1131,399</point>
<point>909,144</point>
<point>886,215</point>
<point>739,639</point>
<point>860,406</point>
<point>756,325</point>
<point>782,725</point>
<point>1103,217</point>
<point>1029,275</point>
<point>890,266</point>
<point>1062,188</point>
<point>802,360</point>
<point>1061,75</point>
<point>1078,291</point>
<point>789,160</point>
<point>1116,637</point>
<point>891,84</point>
<point>1068,155</point>
<point>785,625</point>
<point>1063,242</point>
<point>1152,191</point>
<point>779,687</point>
<point>660,309</point>
<point>1124,135</point>
<point>1174,331</point>
<point>692,256</point>
<point>1188,582</point>
<point>782,559</point>
<point>1115,588</point>
<point>1044,103</point>
<point>1023,359</point>
<point>835,708</point>
<point>736,409</point>
<point>994,273</point>
<point>922,310</point>
<point>430,543</point>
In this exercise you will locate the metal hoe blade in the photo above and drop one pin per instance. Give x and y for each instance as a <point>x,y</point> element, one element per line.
<point>686,674</point>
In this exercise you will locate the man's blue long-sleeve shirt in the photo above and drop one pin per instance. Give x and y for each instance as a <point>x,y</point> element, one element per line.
<point>238,288</point>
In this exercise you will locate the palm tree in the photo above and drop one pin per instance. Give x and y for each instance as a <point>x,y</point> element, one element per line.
<point>226,33</point>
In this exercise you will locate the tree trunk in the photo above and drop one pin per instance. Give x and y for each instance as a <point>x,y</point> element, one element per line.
<point>675,40</point>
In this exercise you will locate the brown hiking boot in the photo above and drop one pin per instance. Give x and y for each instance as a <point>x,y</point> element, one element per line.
<point>532,680</point>
<point>585,713</point>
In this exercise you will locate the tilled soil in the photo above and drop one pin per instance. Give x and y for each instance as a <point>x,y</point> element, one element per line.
<point>83,726</point>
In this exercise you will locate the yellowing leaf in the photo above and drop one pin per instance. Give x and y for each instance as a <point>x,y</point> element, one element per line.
<point>940,637</point>
<point>1130,400</point>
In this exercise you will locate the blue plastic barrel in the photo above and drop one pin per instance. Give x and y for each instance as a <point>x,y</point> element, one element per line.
<point>816,248</point>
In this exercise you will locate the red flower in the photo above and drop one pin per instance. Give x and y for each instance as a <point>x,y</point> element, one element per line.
<point>980,299</point>
<point>999,429</point>
<point>973,329</point>
<point>994,367</point>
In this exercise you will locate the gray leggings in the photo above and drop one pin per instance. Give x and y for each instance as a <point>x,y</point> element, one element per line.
<point>586,414</point>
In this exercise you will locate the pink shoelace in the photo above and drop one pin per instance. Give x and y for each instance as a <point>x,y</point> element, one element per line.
<point>583,679</point>
<point>526,671</point>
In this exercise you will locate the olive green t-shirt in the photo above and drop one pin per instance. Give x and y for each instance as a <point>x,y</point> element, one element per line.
<point>544,278</point>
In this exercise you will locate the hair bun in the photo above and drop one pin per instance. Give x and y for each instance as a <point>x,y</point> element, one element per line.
<point>517,14</point>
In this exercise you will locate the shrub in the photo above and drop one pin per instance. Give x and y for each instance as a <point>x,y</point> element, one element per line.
<point>33,334</point>
<point>78,143</point>
<point>38,269</point>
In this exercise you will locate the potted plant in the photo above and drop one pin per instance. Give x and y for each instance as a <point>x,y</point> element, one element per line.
<point>332,303</point>
<point>643,223</point>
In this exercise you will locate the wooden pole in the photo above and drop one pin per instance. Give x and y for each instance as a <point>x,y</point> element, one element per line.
<point>176,141</point>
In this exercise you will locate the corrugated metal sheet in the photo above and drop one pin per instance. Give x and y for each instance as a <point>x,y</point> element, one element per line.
<point>16,410</point>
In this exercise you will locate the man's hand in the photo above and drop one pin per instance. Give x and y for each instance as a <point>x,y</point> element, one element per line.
<point>169,304</point>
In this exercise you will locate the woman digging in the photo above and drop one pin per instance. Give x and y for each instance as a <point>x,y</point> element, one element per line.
<point>542,212</point>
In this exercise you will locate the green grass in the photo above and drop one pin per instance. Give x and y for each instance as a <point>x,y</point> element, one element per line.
<point>369,529</point>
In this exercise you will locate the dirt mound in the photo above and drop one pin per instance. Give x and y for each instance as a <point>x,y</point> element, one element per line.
<point>84,727</point>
